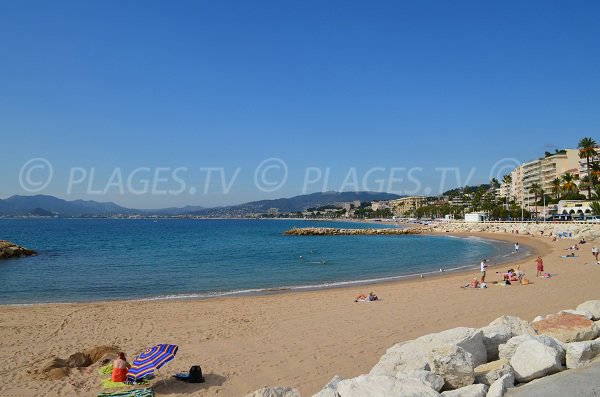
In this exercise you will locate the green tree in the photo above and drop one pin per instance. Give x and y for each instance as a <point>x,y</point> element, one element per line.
<point>556,183</point>
<point>535,190</point>
<point>595,206</point>
<point>587,151</point>
<point>507,180</point>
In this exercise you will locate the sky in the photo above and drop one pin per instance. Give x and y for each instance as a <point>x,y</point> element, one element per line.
<point>153,104</point>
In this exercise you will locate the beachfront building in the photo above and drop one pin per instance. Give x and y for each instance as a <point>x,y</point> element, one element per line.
<point>516,184</point>
<point>532,174</point>
<point>379,205</point>
<point>574,207</point>
<point>557,165</point>
<point>407,205</point>
<point>476,216</point>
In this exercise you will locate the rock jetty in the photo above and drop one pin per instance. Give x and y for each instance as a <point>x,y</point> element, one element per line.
<point>12,250</point>
<point>471,362</point>
<point>332,231</point>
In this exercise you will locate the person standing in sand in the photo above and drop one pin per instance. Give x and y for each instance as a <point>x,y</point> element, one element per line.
<point>483,267</point>
<point>120,368</point>
<point>540,266</point>
<point>595,253</point>
<point>517,248</point>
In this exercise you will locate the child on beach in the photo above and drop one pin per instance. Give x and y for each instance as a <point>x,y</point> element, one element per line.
<point>483,266</point>
<point>595,253</point>
<point>540,266</point>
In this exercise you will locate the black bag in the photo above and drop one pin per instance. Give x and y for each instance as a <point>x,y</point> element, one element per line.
<point>195,375</point>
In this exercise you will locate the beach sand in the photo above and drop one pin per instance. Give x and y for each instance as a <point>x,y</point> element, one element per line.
<point>299,339</point>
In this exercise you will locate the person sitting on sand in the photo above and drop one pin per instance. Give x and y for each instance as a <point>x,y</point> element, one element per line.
<point>571,255</point>
<point>473,284</point>
<point>120,367</point>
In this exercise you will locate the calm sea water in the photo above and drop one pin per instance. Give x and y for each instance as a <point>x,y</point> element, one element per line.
<point>104,259</point>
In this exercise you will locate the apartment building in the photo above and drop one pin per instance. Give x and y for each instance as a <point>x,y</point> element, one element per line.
<point>407,205</point>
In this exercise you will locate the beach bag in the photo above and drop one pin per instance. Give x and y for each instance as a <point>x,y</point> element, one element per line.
<point>195,375</point>
<point>525,281</point>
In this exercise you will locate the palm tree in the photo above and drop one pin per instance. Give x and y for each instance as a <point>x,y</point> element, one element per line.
<point>595,206</point>
<point>569,182</point>
<point>534,189</point>
<point>507,180</point>
<point>587,150</point>
<point>556,187</point>
<point>495,184</point>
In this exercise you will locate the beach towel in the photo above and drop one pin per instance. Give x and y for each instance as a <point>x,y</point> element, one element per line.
<point>130,393</point>
<point>566,256</point>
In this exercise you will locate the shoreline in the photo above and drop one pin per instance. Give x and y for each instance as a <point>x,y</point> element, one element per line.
<point>300,339</point>
<point>526,250</point>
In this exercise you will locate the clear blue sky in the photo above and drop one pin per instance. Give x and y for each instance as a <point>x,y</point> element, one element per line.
<point>344,85</point>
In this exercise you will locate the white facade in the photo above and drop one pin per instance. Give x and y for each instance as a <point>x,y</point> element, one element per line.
<point>475,217</point>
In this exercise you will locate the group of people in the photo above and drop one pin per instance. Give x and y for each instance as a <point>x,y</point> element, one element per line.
<point>366,298</point>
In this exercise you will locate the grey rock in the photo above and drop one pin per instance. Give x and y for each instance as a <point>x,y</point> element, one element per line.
<point>467,391</point>
<point>507,350</point>
<point>582,353</point>
<point>330,389</point>
<point>383,386</point>
<point>428,378</point>
<point>488,373</point>
<point>592,307</point>
<point>275,392</point>
<point>517,326</point>
<point>501,385</point>
<point>533,359</point>
<point>454,364</point>
<point>494,336</point>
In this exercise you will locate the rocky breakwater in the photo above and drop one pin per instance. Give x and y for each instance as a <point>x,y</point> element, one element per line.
<point>332,231</point>
<point>471,362</point>
<point>587,231</point>
<point>12,250</point>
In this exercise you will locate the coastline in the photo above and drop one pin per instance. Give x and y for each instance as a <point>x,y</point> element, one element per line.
<point>295,338</point>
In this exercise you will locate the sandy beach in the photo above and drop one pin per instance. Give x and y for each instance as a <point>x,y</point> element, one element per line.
<point>299,339</point>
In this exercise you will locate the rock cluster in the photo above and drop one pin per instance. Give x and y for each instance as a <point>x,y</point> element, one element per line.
<point>12,250</point>
<point>587,231</point>
<point>471,362</point>
<point>333,231</point>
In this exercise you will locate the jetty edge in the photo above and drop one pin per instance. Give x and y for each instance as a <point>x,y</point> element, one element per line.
<point>333,231</point>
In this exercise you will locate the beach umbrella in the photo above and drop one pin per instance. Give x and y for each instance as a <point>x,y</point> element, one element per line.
<point>151,359</point>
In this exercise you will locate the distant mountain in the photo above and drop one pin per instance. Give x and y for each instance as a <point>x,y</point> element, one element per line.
<point>42,204</point>
<point>295,204</point>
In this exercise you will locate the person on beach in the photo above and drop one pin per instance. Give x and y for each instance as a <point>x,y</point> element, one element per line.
<point>540,266</point>
<point>366,298</point>
<point>516,248</point>
<point>120,367</point>
<point>595,253</point>
<point>473,284</point>
<point>483,266</point>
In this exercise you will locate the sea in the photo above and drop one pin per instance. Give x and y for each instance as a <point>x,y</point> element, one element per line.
<point>89,260</point>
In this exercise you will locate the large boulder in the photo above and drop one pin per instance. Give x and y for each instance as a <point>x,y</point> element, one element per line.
<point>11,250</point>
<point>428,378</point>
<point>582,353</point>
<point>402,357</point>
<point>507,350</point>
<point>467,391</point>
<point>583,313</point>
<point>501,385</point>
<point>454,364</point>
<point>330,389</point>
<point>275,392</point>
<point>533,359</point>
<point>517,326</point>
<point>494,336</point>
<point>470,339</point>
<point>383,386</point>
<point>490,372</point>
<point>567,327</point>
<point>413,354</point>
<point>591,307</point>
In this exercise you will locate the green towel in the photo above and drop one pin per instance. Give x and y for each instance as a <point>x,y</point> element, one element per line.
<point>130,393</point>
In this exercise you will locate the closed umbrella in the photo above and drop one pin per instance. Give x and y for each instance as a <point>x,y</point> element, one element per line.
<point>151,359</point>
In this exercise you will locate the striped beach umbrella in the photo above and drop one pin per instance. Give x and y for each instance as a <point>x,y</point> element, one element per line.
<point>150,360</point>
